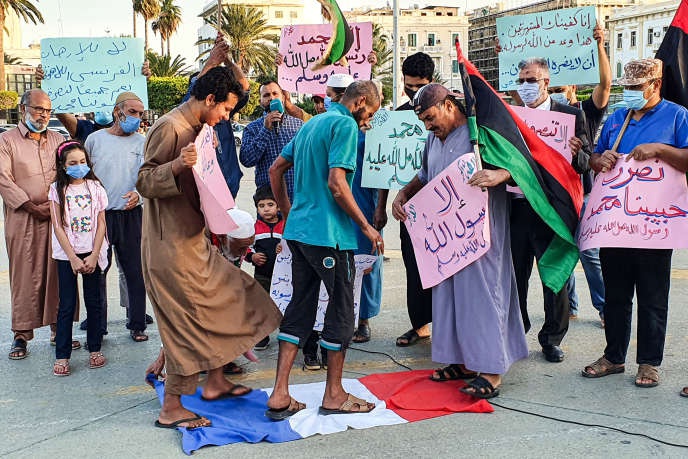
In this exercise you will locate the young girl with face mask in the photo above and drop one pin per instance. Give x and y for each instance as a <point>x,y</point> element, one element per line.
<point>77,210</point>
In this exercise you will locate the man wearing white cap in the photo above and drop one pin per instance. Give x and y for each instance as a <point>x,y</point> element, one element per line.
<point>117,155</point>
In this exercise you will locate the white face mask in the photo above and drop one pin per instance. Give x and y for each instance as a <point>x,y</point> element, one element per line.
<point>529,92</point>
<point>560,98</point>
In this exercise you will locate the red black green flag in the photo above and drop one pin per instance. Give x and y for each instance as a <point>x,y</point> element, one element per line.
<point>548,181</point>
<point>674,53</point>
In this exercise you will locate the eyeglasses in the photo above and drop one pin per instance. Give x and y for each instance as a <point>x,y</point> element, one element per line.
<point>528,80</point>
<point>40,110</point>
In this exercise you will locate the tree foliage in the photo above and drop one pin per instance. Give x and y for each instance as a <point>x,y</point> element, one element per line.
<point>251,45</point>
<point>149,10</point>
<point>165,66</point>
<point>167,22</point>
<point>165,93</point>
<point>253,103</point>
<point>8,100</point>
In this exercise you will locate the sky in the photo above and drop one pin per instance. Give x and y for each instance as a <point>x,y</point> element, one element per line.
<point>69,18</point>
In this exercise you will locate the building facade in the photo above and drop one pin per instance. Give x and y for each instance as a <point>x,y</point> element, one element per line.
<point>482,31</point>
<point>432,30</point>
<point>277,13</point>
<point>636,32</point>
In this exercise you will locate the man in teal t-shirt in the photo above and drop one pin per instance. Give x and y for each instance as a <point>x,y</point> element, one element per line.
<point>321,238</point>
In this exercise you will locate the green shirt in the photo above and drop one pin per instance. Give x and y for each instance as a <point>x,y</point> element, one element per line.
<point>327,141</point>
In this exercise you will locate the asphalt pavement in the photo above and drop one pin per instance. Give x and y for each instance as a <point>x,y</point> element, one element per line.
<point>544,410</point>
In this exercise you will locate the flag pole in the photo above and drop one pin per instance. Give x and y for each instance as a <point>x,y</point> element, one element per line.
<point>469,99</point>
<point>395,48</point>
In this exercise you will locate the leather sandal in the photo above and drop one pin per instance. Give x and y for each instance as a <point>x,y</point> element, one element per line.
<point>646,371</point>
<point>602,367</point>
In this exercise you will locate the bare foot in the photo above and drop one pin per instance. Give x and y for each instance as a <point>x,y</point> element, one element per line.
<point>279,401</point>
<point>347,402</point>
<point>216,390</point>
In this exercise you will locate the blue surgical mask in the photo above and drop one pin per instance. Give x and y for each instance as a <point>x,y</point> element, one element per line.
<point>102,118</point>
<point>130,124</point>
<point>634,99</point>
<point>529,92</point>
<point>559,97</point>
<point>78,171</point>
<point>328,102</point>
<point>33,128</point>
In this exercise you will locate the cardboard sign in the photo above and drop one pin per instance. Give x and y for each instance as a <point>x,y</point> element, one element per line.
<point>87,74</point>
<point>448,222</point>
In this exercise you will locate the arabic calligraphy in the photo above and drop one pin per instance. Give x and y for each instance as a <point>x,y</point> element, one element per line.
<point>563,37</point>
<point>448,222</point>
<point>87,74</point>
<point>393,150</point>
<point>302,45</point>
<point>637,204</point>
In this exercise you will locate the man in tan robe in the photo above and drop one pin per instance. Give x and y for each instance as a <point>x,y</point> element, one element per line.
<point>27,168</point>
<point>208,310</point>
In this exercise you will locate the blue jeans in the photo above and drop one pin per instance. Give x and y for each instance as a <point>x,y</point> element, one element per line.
<point>68,292</point>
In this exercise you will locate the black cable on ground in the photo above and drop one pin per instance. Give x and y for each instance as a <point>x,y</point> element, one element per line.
<point>567,421</point>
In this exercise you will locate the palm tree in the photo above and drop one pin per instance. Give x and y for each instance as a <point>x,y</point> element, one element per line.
<point>384,52</point>
<point>246,32</point>
<point>165,66</point>
<point>26,11</point>
<point>11,59</point>
<point>167,23</point>
<point>149,9</point>
<point>135,9</point>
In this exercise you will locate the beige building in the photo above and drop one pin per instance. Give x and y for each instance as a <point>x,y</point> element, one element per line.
<point>636,32</point>
<point>277,13</point>
<point>431,30</point>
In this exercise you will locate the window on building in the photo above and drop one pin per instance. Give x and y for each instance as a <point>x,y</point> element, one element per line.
<point>619,40</point>
<point>412,40</point>
<point>293,14</point>
<point>279,14</point>
<point>619,69</point>
<point>650,36</point>
<point>455,66</point>
<point>455,36</point>
<point>633,38</point>
<point>438,64</point>
<point>431,39</point>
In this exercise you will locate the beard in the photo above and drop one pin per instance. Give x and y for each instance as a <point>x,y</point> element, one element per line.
<point>358,116</point>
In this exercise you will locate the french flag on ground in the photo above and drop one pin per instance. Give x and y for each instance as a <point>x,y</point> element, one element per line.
<point>402,397</point>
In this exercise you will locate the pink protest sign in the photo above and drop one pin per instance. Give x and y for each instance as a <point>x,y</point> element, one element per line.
<point>216,198</point>
<point>554,128</point>
<point>642,204</point>
<point>302,45</point>
<point>448,223</point>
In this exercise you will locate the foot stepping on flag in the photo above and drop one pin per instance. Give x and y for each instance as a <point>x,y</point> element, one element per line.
<point>399,398</point>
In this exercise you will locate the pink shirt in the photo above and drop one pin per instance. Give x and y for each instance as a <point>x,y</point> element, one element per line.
<point>82,205</point>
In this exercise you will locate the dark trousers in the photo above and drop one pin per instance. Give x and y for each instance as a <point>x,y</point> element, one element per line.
<point>68,293</point>
<point>418,300</point>
<point>648,272</point>
<point>530,237</point>
<point>124,236</point>
<point>335,268</point>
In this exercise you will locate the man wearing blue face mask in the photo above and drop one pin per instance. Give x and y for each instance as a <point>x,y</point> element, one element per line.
<point>27,168</point>
<point>530,236</point>
<point>657,129</point>
<point>117,155</point>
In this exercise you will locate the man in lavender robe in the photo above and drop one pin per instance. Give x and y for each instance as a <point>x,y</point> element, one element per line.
<point>477,327</point>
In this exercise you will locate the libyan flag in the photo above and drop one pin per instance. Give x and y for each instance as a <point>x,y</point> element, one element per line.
<point>548,181</point>
<point>674,53</point>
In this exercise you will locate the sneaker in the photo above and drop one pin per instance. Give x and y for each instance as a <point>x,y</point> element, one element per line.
<point>324,358</point>
<point>262,344</point>
<point>311,362</point>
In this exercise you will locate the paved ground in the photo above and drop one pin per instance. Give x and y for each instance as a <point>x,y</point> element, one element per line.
<point>109,413</point>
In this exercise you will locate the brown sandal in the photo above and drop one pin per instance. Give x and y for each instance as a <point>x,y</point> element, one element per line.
<point>352,405</point>
<point>96,360</point>
<point>602,367</point>
<point>61,368</point>
<point>646,371</point>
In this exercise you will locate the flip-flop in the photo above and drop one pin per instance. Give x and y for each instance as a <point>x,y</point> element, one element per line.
<point>229,394</point>
<point>280,414</point>
<point>75,344</point>
<point>411,337</point>
<point>175,424</point>
<point>346,407</point>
